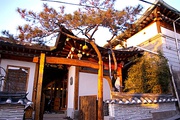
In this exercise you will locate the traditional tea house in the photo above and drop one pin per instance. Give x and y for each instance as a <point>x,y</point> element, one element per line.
<point>75,74</point>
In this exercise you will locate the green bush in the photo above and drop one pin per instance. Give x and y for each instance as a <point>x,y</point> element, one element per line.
<point>149,74</point>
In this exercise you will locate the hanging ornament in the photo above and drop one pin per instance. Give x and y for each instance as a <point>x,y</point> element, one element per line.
<point>85,47</point>
<point>71,56</point>
<point>87,54</point>
<point>67,39</point>
<point>79,56</point>
<point>72,49</point>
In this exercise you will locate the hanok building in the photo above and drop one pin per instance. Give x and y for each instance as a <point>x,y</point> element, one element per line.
<point>157,29</point>
<point>60,75</point>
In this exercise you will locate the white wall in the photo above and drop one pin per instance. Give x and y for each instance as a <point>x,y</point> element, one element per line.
<point>169,33</point>
<point>168,42</point>
<point>170,48</point>
<point>88,85</point>
<point>143,35</point>
<point>5,62</point>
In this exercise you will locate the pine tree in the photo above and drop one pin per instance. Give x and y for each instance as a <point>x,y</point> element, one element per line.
<point>95,13</point>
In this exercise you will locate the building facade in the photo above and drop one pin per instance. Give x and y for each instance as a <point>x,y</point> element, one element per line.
<point>159,29</point>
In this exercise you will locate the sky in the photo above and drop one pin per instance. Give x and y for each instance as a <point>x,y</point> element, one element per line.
<point>10,19</point>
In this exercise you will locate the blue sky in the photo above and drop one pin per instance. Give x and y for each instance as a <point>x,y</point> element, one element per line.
<point>10,19</point>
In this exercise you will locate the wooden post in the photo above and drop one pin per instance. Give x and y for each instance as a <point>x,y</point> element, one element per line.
<point>39,87</point>
<point>35,85</point>
<point>100,91</point>
<point>76,88</point>
<point>100,82</point>
<point>119,73</point>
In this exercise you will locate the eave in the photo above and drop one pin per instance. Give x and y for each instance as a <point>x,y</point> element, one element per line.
<point>64,48</point>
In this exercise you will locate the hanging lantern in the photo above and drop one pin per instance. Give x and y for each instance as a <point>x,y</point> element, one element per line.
<point>79,55</point>
<point>87,54</point>
<point>85,47</point>
<point>71,56</point>
<point>67,39</point>
<point>72,49</point>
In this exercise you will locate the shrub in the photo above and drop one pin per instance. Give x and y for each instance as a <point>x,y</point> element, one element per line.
<point>149,74</point>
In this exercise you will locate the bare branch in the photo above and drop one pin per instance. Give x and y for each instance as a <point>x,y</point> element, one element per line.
<point>96,28</point>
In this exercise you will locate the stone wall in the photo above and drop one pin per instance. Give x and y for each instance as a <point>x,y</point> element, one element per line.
<point>124,106</point>
<point>140,111</point>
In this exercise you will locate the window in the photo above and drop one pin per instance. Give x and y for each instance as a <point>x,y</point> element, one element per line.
<point>17,79</point>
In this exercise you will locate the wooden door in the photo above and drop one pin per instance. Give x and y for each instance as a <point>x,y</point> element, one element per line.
<point>87,107</point>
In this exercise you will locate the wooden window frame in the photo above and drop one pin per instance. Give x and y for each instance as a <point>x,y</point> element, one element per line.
<point>27,77</point>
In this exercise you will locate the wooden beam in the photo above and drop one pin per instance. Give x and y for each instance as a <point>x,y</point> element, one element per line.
<point>158,24</point>
<point>39,87</point>
<point>36,59</point>
<point>158,18</point>
<point>76,89</point>
<point>74,62</point>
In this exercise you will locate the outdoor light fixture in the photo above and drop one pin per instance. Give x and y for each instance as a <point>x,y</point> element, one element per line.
<point>67,39</point>
<point>79,56</point>
<point>72,49</point>
<point>87,54</point>
<point>71,56</point>
<point>85,47</point>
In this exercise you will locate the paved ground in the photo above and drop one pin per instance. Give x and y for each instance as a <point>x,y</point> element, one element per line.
<point>62,116</point>
<point>176,117</point>
<point>54,116</point>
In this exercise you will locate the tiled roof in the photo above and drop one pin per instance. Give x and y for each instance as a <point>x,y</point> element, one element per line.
<point>65,48</point>
<point>140,99</point>
<point>14,98</point>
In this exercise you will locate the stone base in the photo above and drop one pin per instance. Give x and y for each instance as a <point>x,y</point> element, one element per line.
<point>163,114</point>
<point>109,118</point>
<point>70,112</point>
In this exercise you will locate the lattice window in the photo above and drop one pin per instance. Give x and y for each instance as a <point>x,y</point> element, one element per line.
<point>17,79</point>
